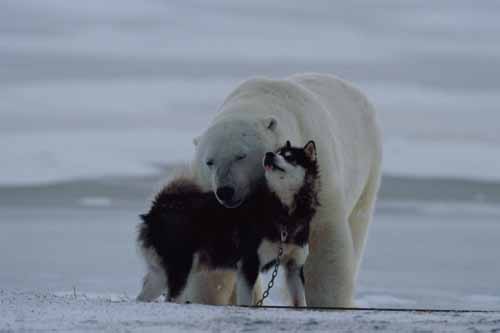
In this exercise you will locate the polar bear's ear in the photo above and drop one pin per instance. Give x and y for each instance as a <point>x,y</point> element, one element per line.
<point>271,123</point>
<point>310,150</point>
<point>196,140</point>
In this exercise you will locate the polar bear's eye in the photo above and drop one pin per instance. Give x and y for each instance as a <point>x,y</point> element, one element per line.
<point>240,157</point>
<point>210,162</point>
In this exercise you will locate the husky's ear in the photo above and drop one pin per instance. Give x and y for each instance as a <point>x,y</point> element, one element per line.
<point>310,150</point>
<point>288,144</point>
<point>196,140</point>
<point>270,123</point>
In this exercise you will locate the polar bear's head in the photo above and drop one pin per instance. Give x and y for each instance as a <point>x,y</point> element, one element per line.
<point>229,154</point>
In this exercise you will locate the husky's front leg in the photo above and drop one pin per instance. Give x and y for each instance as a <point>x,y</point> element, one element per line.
<point>295,278</point>
<point>248,271</point>
<point>295,283</point>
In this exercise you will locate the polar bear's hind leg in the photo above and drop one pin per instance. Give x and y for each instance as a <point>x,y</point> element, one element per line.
<point>362,215</point>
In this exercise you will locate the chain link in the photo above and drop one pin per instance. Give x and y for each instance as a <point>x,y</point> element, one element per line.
<point>265,295</point>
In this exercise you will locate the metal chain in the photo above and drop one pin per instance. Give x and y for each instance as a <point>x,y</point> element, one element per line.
<point>283,235</point>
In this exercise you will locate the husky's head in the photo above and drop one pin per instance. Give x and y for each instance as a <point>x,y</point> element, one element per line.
<point>290,169</point>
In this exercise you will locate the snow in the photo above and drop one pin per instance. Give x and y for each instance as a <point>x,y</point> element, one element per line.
<point>43,311</point>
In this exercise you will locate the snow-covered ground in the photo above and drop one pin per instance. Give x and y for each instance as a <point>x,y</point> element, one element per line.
<point>98,98</point>
<point>43,311</point>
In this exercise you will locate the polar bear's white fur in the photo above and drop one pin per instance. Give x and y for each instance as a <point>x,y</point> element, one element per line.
<point>262,114</point>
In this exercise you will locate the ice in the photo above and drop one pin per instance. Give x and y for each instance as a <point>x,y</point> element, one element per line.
<point>40,157</point>
<point>484,300</point>
<point>95,201</point>
<point>377,300</point>
<point>437,159</point>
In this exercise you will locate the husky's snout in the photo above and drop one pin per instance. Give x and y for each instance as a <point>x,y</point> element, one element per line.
<point>269,160</point>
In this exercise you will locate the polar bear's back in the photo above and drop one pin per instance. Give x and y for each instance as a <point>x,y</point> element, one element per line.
<point>305,95</point>
<point>333,91</point>
<point>353,121</point>
<point>346,104</point>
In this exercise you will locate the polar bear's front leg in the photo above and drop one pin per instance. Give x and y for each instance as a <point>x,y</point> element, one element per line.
<point>210,287</point>
<point>243,291</point>
<point>329,270</point>
<point>154,284</point>
<point>248,272</point>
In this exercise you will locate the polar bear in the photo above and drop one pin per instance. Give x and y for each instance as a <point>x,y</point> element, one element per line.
<point>259,116</point>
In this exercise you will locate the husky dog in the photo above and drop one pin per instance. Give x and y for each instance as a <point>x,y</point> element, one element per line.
<point>187,229</point>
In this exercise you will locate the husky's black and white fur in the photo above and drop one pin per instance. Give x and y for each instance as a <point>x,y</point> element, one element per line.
<point>186,229</point>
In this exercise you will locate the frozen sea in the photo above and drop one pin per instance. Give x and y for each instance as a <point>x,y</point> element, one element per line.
<point>98,100</point>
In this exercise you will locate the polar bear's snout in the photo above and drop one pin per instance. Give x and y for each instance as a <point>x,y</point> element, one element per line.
<point>228,185</point>
<point>228,196</point>
<point>225,193</point>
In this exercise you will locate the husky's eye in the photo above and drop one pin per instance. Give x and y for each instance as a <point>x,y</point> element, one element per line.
<point>289,157</point>
<point>209,162</point>
<point>241,157</point>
